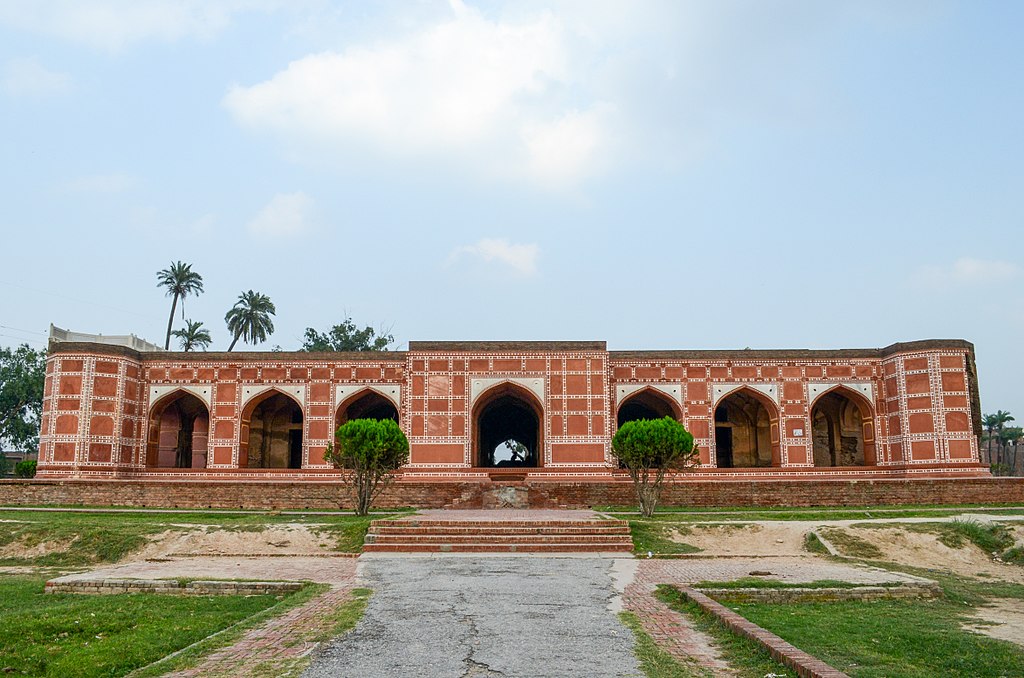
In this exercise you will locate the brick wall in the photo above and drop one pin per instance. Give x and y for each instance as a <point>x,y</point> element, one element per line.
<point>317,494</point>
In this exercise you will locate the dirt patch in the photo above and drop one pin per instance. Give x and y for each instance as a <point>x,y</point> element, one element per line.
<point>923,549</point>
<point>1003,618</point>
<point>768,539</point>
<point>19,549</point>
<point>280,540</point>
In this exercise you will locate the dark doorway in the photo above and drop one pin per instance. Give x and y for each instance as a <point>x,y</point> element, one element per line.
<point>275,433</point>
<point>646,404</point>
<point>178,433</point>
<point>837,431</point>
<point>369,405</point>
<point>508,431</point>
<point>743,432</point>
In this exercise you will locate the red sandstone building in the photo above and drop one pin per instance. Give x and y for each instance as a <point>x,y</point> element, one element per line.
<point>533,411</point>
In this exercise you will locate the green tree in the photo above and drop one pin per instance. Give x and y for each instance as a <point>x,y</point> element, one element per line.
<point>368,452</point>
<point>649,448</point>
<point>249,319</point>
<point>1010,436</point>
<point>22,373</point>
<point>180,281</point>
<point>346,337</point>
<point>994,425</point>
<point>193,336</point>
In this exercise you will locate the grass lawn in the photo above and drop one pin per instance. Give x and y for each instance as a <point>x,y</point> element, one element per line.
<point>675,514</point>
<point>746,657</point>
<point>655,662</point>
<point>70,635</point>
<point>92,538</point>
<point>894,639</point>
<point>653,537</point>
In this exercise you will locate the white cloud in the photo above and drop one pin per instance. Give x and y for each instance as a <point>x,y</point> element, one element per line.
<point>101,183</point>
<point>969,271</point>
<point>521,258</point>
<point>26,77</point>
<point>287,214</point>
<point>493,95</point>
<point>114,24</point>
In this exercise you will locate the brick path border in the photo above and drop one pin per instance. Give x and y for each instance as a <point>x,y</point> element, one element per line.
<point>804,664</point>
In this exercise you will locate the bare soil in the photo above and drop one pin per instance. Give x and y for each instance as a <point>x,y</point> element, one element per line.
<point>280,540</point>
<point>1003,619</point>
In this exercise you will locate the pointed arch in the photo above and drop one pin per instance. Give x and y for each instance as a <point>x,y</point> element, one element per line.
<point>366,403</point>
<point>647,403</point>
<point>178,432</point>
<point>508,411</point>
<point>747,431</point>
<point>842,428</point>
<point>274,421</point>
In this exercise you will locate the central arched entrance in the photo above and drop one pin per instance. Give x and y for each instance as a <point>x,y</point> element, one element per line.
<point>271,432</point>
<point>507,428</point>
<point>746,431</point>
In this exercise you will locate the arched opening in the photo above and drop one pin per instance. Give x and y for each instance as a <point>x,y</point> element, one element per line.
<point>648,403</point>
<point>271,433</point>
<point>179,430</point>
<point>842,432</point>
<point>507,428</point>
<point>746,431</point>
<point>366,404</point>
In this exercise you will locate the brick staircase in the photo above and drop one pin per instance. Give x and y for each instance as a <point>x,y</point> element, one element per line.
<point>411,535</point>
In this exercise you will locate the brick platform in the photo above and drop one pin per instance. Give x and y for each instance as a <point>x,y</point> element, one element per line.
<point>269,493</point>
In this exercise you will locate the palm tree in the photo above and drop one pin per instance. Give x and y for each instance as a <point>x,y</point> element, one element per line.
<point>249,319</point>
<point>994,424</point>
<point>193,336</point>
<point>180,281</point>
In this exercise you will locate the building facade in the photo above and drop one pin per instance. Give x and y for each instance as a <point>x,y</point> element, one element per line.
<point>541,410</point>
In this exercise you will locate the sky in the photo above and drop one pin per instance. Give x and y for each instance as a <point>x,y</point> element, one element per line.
<point>659,175</point>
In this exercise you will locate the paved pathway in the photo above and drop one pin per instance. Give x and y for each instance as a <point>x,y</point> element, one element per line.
<point>485,616</point>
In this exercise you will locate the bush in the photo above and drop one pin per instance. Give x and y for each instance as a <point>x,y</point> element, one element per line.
<point>25,469</point>
<point>368,451</point>
<point>649,448</point>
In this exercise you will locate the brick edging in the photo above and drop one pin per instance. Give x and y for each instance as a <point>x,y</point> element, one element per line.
<point>804,664</point>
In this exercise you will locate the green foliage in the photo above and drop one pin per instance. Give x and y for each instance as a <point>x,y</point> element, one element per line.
<point>76,635</point>
<point>180,281</point>
<point>249,319</point>
<point>990,537</point>
<point>25,468</point>
<point>649,448</point>
<point>346,337</point>
<point>368,451</point>
<point>193,336</point>
<point>813,545</point>
<point>22,373</point>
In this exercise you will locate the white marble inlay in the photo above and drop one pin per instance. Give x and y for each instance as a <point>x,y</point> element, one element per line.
<point>816,389</point>
<point>297,391</point>
<point>198,390</point>
<point>672,390</point>
<point>534,384</point>
<point>722,389</point>
<point>392,392</point>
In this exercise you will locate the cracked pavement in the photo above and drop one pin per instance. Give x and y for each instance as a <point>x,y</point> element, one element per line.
<point>484,616</point>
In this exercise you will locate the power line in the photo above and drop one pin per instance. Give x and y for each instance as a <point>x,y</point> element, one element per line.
<point>18,329</point>
<point>77,301</point>
<point>24,339</point>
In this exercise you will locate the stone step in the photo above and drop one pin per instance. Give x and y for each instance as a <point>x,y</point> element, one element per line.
<point>498,523</point>
<point>372,538</point>
<point>621,547</point>
<point>453,528</point>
